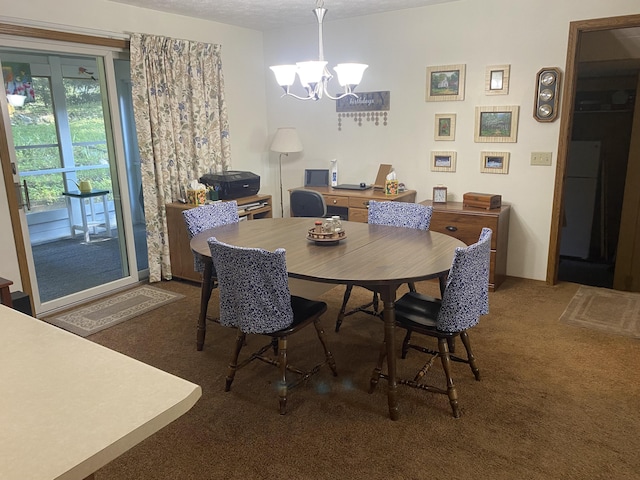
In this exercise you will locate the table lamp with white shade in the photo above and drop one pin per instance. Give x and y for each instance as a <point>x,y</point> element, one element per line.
<point>285,141</point>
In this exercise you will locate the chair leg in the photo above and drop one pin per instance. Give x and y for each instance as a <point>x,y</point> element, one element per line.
<point>205,296</point>
<point>375,302</point>
<point>377,372</point>
<point>464,336</point>
<point>233,364</point>
<point>405,343</point>
<point>327,353</point>
<point>451,343</point>
<point>452,393</point>
<point>343,308</point>
<point>412,286</point>
<point>282,364</point>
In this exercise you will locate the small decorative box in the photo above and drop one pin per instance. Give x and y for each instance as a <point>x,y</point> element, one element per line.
<point>487,201</point>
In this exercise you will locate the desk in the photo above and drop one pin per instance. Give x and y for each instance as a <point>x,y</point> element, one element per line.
<point>86,225</point>
<point>352,204</point>
<point>372,255</point>
<point>179,249</point>
<point>69,406</point>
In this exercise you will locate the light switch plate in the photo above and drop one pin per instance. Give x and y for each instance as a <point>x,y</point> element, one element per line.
<point>541,158</point>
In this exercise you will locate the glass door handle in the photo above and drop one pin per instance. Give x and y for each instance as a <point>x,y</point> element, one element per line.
<point>23,200</point>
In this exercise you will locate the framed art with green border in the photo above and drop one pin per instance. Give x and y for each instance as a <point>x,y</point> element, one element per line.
<point>497,124</point>
<point>445,83</point>
<point>445,128</point>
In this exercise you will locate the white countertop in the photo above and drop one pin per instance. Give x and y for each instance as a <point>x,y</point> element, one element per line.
<point>69,406</point>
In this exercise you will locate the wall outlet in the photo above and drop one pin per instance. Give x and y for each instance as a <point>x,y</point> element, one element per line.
<point>541,158</point>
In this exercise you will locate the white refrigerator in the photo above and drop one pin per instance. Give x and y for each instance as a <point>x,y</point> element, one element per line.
<point>580,188</point>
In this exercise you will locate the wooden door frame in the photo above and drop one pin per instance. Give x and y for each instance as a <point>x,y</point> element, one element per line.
<point>566,124</point>
<point>5,163</point>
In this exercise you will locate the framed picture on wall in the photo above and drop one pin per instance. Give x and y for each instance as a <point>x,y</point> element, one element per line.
<point>497,80</point>
<point>496,124</point>
<point>443,161</point>
<point>445,127</point>
<point>445,83</point>
<point>494,162</point>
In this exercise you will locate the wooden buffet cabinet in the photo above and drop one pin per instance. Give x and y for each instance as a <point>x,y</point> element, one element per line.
<point>466,223</point>
<point>352,204</point>
<point>179,248</point>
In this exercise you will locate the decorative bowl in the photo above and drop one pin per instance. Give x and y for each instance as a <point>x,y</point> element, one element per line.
<point>325,238</point>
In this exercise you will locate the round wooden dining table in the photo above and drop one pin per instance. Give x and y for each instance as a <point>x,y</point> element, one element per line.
<point>374,256</point>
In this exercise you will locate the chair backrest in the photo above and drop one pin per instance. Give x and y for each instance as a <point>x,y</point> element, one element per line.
<point>466,295</point>
<point>202,218</point>
<point>307,203</point>
<point>400,214</point>
<point>254,291</point>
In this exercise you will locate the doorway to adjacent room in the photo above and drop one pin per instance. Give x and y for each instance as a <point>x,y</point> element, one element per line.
<point>598,122</point>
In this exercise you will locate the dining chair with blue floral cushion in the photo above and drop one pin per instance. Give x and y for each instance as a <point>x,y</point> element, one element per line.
<point>464,301</point>
<point>394,214</point>
<point>255,298</point>
<point>198,220</point>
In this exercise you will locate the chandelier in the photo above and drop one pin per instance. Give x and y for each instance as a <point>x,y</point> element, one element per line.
<point>314,76</point>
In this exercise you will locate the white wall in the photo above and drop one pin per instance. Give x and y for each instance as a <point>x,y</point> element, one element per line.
<point>398,47</point>
<point>242,56</point>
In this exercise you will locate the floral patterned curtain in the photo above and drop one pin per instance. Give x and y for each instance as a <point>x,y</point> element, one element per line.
<point>182,126</point>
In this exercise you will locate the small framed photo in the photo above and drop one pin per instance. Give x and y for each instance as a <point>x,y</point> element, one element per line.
<point>445,128</point>
<point>497,80</point>
<point>494,162</point>
<point>443,161</point>
<point>445,83</point>
<point>496,124</point>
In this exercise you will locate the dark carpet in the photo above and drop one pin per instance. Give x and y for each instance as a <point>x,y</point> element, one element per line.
<point>555,401</point>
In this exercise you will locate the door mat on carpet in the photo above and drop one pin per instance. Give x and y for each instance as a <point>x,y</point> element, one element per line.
<point>604,309</point>
<point>113,310</point>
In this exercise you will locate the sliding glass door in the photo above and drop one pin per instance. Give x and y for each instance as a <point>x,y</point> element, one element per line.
<point>66,111</point>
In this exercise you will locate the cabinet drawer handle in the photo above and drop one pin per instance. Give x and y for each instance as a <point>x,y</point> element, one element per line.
<point>335,201</point>
<point>451,228</point>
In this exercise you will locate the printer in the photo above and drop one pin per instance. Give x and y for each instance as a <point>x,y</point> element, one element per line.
<point>232,184</point>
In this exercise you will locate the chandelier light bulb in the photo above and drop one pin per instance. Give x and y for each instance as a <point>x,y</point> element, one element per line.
<point>285,74</point>
<point>314,75</point>
<point>350,73</point>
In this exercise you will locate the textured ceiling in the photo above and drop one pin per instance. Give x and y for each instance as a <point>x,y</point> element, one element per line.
<point>269,15</point>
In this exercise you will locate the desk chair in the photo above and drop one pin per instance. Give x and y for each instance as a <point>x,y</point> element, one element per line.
<point>255,298</point>
<point>198,220</point>
<point>394,214</point>
<point>307,203</point>
<point>465,299</point>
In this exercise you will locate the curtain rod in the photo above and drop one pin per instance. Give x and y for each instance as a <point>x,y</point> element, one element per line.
<point>23,22</point>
